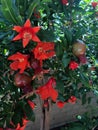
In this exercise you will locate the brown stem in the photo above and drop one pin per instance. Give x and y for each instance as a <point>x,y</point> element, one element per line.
<point>45,117</point>
<point>42,121</point>
<point>27,95</point>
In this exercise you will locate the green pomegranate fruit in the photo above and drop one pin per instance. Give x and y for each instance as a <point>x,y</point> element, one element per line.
<point>79,48</point>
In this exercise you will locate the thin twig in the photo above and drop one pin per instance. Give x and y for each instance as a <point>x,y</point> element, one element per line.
<point>69,84</point>
<point>27,95</point>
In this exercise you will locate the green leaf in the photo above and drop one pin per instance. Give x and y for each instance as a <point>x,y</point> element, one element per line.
<point>59,50</point>
<point>46,1</point>
<point>22,6</point>
<point>29,112</point>
<point>62,128</point>
<point>84,79</point>
<point>76,126</point>
<point>60,86</point>
<point>68,35</point>
<point>89,100</point>
<point>2,35</point>
<point>65,59</point>
<point>84,99</point>
<point>10,11</point>
<point>18,112</point>
<point>31,8</point>
<point>46,35</point>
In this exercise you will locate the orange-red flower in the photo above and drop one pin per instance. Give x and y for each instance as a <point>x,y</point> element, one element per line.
<point>31,104</point>
<point>60,104</point>
<point>73,65</point>
<point>26,33</point>
<point>43,51</point>
<point>72,99</point>
<point>47,91</point>
<point>20,61</point>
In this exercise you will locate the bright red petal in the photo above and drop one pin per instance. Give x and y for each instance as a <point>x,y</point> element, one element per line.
<point>72,99</point>
<point>43,92</point>
<point>22,128</point>
<point>24,121</point>
<point>50,54</point>
<point>47,91</point>
<point>47,45</point>
<point>53,94</point>
<point>18,127</point>
<point>51,82</point>
<point>17,28</point>
<point>36,29</point>
<point>16,56</point>
<point>25,42</point>
<point>31,104</point>
<point>22,67</point>
<point>35,38</point>
<point>14,65</point>
<point>18,37</point>
<point>27,23</point>
<point>60,104</point>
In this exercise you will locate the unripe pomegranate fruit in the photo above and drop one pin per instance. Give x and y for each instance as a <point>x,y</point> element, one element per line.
<point>22,80</point>
<point>79,48</point>
<point>27,89</point>
<point>83,59</point>
<point>34,63</point>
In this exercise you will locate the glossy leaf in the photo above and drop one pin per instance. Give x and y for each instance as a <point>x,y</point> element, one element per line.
<point>68,35</point>
<point>60,86</point>
<point>65,59</point>
<point>10,11</point>
<point>31,8</point>
<point>29,112</point>
<point>59,50</point>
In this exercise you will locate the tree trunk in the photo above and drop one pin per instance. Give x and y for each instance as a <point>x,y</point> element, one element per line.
<point>45,116</point>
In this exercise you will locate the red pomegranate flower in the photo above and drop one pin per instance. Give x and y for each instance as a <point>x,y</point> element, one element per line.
<point>20,61</point>
<point>47,91</point>
<point>26,33</point>
<point>72,99</point>
<point>61,104</point>
<point>73,65</point>
<point>65,2</point>
<point>43,51</point>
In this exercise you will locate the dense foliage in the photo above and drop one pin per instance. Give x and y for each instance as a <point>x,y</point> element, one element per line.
<point>57,25</point>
